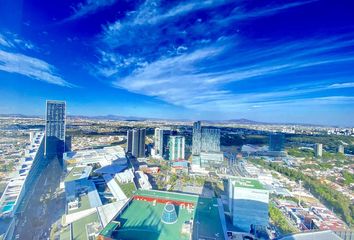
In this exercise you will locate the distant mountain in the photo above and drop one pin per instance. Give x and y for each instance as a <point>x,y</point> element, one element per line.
<point>244,121</point>
<point>111,117</point>
<point>133,118</point>
<point>233,121</point>
<point>14,115</point>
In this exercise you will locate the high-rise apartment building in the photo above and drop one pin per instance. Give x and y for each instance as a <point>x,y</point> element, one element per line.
<point>176,147</point>
<point>138,142</point>
<point>157,140</point>
<point>197,138</point>
<point>210,141</point>
<point>161,138</point>
<point>55,129</point>
<point>276,142</point>
<point>318,149</point>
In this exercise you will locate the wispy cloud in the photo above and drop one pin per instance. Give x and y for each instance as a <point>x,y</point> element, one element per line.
<point>201,77</point>
<point>87,8</point>
<point>13,61</point>
<point>342,85</point>
<point>194,61</point>
<point>240,14</point>
<point>12,41</point>
<point>4,42</point>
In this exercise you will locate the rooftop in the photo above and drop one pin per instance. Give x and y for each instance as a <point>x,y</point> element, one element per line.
<point>105,156</point>
<point>252,183</point>
<point>78,173</point>
<point>82,228</point>
<point>141,219</point>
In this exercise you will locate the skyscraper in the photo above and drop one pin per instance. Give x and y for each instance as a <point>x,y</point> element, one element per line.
<point>142,135</point>
<point>210,140</point>
<point>129,141</point>
<point>157,140</point>
<point>205,139</point>
<point>161,141</point>
<point>55,129</point>
<point>276,142</point>
<point>197,138</point>
<point>138,142</point>
<point>206,147</point>
<point>176,147</point>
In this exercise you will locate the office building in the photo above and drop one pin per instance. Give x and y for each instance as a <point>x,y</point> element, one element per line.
<point>248,203</point>
<point>276,142</point>
<point>138,142</point>
<point>55,129</point>
<point>205,139</point>
<point>318,149</point>
<point>210,141</point>
<point>176,147</point>
<point>341,149</point>
<point>206,148</point>
<point>197,138</point>
<point>129,141</point>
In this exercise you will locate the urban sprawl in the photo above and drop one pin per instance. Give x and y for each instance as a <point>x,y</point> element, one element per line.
<point>68,177</point>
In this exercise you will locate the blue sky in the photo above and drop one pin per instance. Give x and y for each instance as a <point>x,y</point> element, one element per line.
<point>274,61</point>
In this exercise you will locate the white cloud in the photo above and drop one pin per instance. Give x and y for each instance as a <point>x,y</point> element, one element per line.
<point>4,42</point>
<point>240,14</point>
<point>13,41</point>
<point>14,62</point>
<point>190,79</point>
<point>31,67</point>
<point>342,85</point>
<point>89,7</point>
<point>198,73</point>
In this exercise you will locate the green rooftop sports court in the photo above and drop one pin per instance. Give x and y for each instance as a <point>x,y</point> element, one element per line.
<point>142,220</point>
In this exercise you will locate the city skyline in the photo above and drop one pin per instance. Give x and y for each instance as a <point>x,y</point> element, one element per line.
<point>282,62</point>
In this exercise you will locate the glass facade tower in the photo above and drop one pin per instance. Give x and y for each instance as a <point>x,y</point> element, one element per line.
<point>276,142</point>
<point>197,138</point>
<point>55,129</point>
<point>210,140</point>
<point>129,141</point>
<point>137,142</point>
